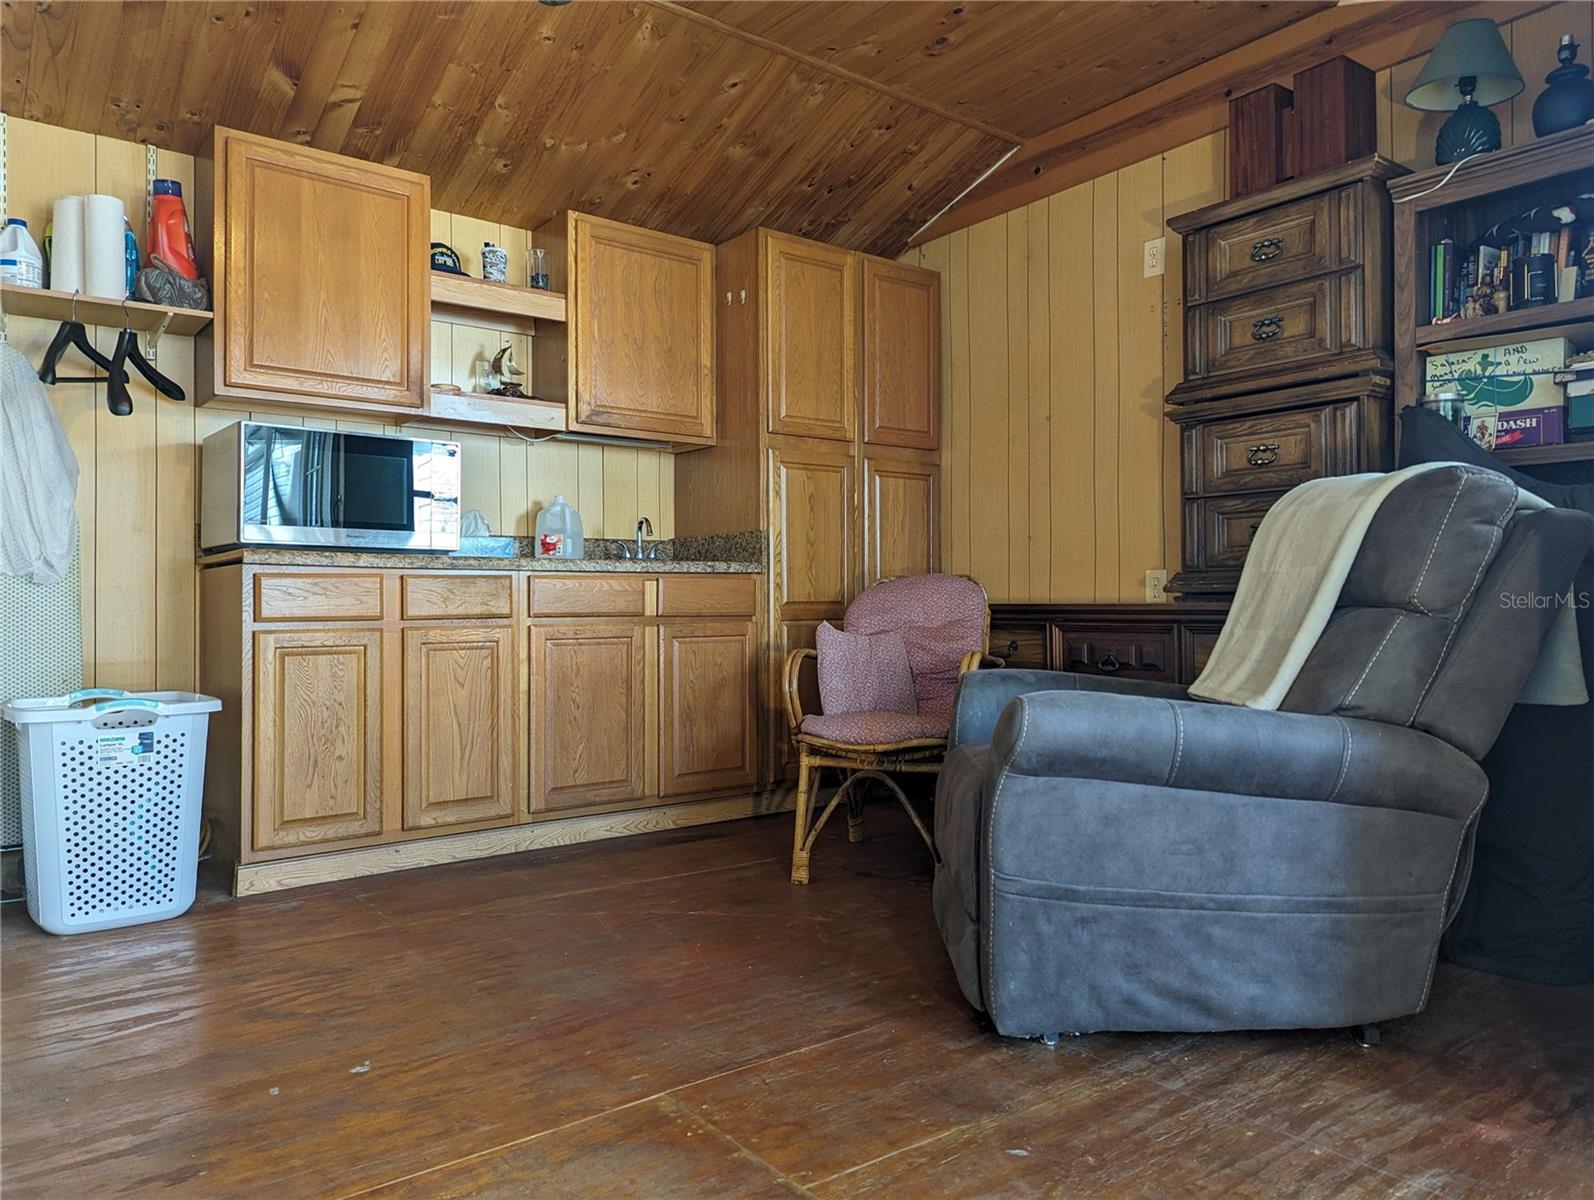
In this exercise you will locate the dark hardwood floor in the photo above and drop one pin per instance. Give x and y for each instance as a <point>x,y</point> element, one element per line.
<point>667,1017</point>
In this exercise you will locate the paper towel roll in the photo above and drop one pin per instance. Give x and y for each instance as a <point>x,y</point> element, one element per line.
<point>66,245</point>
<point>104,247</point>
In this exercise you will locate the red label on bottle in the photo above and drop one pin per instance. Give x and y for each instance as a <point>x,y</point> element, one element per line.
<point>549,544</point>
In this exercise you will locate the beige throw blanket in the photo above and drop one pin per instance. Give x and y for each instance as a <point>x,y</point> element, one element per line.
<point>1298,563</point>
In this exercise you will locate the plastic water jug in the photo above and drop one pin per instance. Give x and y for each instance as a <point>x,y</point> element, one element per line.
<point>21,263</point>
<point>559,531</point>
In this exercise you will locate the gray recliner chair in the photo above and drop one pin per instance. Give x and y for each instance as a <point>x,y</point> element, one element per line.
<point>1117,855</point>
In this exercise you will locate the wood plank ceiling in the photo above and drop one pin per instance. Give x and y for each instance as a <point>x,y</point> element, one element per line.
<point>854,123</point>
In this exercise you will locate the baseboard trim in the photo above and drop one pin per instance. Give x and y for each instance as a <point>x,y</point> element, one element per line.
<point>256,879</point>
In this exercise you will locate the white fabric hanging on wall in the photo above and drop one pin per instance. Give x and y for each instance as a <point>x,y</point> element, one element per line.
<point>38,476</point>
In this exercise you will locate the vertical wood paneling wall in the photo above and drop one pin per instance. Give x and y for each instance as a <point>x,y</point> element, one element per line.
<point>1060,477</point>
<point>137,486</point>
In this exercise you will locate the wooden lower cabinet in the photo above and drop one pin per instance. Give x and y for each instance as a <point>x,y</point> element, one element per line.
<point>459,725</point>
<point>588,714</point>
<point>708,737</point>
<point>317,736</point>
<point>365,708</point>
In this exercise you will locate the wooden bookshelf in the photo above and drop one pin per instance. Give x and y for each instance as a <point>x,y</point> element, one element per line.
<point>1462,202</point>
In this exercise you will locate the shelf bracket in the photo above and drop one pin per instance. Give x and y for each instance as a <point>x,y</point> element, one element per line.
<point>157,333</point>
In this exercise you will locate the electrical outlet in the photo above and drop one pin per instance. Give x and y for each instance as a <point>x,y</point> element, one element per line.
<point>1156,256</point>
<point>1156,586</point>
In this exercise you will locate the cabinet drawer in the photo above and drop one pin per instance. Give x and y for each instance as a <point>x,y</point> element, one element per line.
<point>594,596</point>
<point>1137,654</point>
<point>1227,525</point>
<point>1195,648</point>
<point>318,597</point>
<point>1293,241</point>
<point>705,596</point>
<point>1262,453</point>
<point>424,597</point>
<point>1273,331</point>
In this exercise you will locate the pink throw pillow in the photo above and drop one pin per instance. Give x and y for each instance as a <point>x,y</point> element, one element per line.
<point>863,672</point>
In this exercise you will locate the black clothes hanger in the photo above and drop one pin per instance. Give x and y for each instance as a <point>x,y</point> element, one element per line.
<point>117,398</point>
<point>72,336</point>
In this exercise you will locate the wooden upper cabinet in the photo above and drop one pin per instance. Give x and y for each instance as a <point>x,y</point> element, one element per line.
<point>810,337</point>
<point>901,518</point>
<point>320,276</point>
<point>812,505</point>
<point>459,725</point>
<point>636,355</point>
<point>317,736</point>
<point>901,355</point>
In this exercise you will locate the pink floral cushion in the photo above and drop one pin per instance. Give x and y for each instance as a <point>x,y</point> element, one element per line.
<point>934,655</point>
<point>863,672</point>
<point>875,728</point>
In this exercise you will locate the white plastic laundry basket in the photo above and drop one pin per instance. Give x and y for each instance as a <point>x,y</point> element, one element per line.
<point>111,785</point>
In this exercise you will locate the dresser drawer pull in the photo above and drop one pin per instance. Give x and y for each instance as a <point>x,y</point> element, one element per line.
<point>1267,248</point>
<point>1267,327</point>
<point>1109,664</point>
<point>1263,454</point>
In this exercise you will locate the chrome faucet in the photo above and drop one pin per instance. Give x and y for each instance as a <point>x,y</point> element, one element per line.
<point>643,526</point>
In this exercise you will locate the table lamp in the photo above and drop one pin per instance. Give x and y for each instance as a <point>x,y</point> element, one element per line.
<point>1467,71</point>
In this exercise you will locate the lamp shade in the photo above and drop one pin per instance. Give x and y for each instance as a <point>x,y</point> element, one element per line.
<point>1468,48</point>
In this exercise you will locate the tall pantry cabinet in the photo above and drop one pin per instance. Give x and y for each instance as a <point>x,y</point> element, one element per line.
<point>829,438</point>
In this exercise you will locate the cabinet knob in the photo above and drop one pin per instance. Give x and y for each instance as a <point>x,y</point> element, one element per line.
<point>1267,248</point>
<point>1109,663</point>
<point>1263,454</point>
<point>1267,327</point>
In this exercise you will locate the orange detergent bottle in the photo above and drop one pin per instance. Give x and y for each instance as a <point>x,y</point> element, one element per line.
<point>169,236</point>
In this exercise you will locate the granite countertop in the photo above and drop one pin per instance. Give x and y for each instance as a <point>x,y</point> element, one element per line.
<point>729,554</point>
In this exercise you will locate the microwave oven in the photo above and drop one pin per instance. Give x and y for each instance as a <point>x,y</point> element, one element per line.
<point>290,485</point>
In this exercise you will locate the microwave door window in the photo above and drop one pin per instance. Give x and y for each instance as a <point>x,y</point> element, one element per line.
<point>375,484</point>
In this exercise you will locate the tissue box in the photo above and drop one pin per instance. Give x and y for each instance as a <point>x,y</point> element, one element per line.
<point>1512,378</point>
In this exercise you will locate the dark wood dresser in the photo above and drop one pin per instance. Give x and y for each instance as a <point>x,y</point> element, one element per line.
<point>1288,355</point>
<point>1168,643</point>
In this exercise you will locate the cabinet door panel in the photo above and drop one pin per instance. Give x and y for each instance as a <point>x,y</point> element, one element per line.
<point>707,738</point>
<point>901,355</point>
<point>902,506</point>
<point>588,708</point>
<point>810,318</point>
<point>350,325</point>
<point>459,725</point>
<point>643,333</point>
<point>812,522</point>
<point>317,736</point>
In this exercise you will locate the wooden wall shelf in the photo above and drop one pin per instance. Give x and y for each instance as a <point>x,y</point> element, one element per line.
<point>476,408</point>
<point>502,306</point>
<point>48,305</point>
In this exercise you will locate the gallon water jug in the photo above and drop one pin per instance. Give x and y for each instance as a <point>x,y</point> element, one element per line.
<point>559,531</point>
<point>21,263</point>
